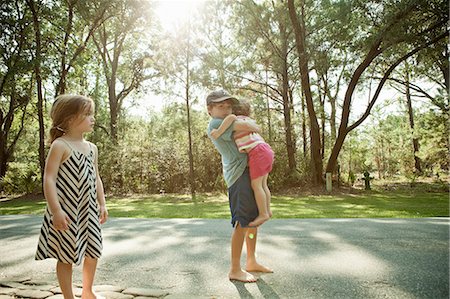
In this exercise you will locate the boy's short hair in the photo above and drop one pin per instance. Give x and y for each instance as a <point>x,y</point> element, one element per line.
<point>218,96</point>
<point>242,108</point>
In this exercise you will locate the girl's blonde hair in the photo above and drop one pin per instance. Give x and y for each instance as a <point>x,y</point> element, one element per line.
<point>243,108</point>
<point>65,109</point>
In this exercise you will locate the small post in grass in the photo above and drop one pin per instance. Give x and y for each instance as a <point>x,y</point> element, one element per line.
<point>328,182</point>
<point>367,179</point>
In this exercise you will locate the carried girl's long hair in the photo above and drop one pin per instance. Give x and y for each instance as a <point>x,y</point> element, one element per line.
<point>243,108</point>
<point>65,109</point>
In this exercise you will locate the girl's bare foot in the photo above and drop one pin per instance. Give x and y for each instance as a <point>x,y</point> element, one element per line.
<point>242,276</point>
<point>255,267</point>
<point>259,220</point>
<point>90,295</point>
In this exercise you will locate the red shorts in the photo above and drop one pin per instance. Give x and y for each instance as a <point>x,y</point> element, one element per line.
<point>260,160</point>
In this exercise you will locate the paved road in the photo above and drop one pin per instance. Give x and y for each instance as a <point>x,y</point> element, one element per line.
<point>312,258</point>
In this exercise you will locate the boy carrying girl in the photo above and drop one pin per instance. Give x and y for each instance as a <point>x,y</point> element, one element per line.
<point>242,202</point>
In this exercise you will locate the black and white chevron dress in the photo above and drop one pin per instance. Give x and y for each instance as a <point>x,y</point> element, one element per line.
<point>76,189</point>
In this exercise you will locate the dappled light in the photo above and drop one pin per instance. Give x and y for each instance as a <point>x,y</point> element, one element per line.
<point>345,259</point>
<point>397,204</point>
<point>351,258</point>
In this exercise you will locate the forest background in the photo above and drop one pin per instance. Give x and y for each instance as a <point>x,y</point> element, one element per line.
<point>337,86</point>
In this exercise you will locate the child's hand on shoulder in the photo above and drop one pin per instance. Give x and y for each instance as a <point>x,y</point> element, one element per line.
<point>215,133</point>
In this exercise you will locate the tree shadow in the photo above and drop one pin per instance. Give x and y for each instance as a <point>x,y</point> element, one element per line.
<point>242,290</point>
<point>346,258</point>
<point>266,290</point>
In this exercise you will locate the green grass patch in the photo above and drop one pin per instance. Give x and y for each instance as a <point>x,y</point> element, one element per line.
<point>371,204</point>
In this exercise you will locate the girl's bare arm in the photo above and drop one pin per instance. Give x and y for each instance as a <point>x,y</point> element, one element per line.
<point>100,191</point>
<point>247,126</point>
<point>55,157</point>
<point>226,123</point>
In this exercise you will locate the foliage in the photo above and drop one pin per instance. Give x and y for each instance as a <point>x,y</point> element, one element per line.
<point>21,178</point>
<point>115,50</point>
<point>433,132</point>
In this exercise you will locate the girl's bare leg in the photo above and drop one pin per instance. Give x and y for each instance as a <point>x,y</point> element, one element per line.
<point>64,273</point>
<point>260,198</point>
<point>268,195</point>
<point>237,241</point>
<point>250,241</point>
<point>89,267</point>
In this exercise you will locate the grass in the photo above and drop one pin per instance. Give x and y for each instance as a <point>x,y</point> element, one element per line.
<point>361,204</point>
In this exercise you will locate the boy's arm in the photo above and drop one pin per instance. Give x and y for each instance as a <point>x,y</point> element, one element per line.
<point>227,121</point>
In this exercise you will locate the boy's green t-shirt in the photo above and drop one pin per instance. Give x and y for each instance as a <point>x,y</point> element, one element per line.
<point>233,161</point>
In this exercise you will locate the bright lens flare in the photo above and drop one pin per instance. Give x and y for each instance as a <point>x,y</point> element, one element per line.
<point>174,13</point>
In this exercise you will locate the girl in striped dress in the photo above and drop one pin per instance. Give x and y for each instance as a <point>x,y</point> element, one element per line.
<point>260,158</point>
<point>74,193</point>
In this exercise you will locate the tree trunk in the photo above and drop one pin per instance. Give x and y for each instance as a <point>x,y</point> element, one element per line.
<point>61,87</point>
<point>343,128</point>
<point>269,121</point>
<point>300,38</point>
<point>40,101</point>
<point>303,116</point>
<point>290,146</point>
<point>322,118</point>
<point>5,124</point>
<point>333,118</point>
<point>188,111</point>
<point>415,141</point>
<point>332,100</point>
<point>113,109</point>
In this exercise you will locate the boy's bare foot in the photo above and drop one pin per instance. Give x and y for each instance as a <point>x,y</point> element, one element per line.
<point>259,220</point>
<point>255,267</point>
<point>242,276</point>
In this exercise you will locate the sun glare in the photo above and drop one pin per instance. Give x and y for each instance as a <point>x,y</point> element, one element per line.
<point>173,13</point>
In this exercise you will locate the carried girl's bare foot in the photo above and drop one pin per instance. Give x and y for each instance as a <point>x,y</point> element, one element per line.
<point>255,267</point>
<point>259,220</point>
<point>242,276</point>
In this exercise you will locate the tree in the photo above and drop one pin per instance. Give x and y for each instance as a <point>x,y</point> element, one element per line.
<point>271,54</point>
<point>403,17</point>
<point>124,63</point>
<point>389,35</point>
<point>15,77</point>
<point>415,140</point>
<point>176,63</point>
<point>82,17</point>
<point>298,22</point>
<point>37,70</point>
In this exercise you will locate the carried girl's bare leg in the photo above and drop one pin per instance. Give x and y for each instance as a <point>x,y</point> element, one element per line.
<point>250,241</point>
<point>260,198</point>
<point>268,195</point>
<point>89,267</point>
<point>64,273</point>
<point>237,241</point>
